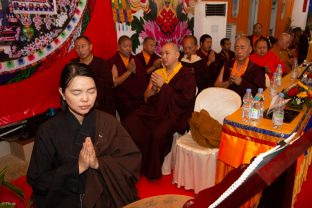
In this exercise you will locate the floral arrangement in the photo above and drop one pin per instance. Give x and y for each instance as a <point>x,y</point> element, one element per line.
<point>300,94</point>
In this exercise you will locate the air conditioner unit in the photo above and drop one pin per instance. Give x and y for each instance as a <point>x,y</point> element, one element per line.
<point>231,34</point>
<point>210,18</point>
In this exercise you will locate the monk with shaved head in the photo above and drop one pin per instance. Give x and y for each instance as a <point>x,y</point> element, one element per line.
<point>149,59</point>
<point>241,73</point>
<point>129,76</point>
<point>169,99</point>
<point>204,76</point>
<point>280,50</point>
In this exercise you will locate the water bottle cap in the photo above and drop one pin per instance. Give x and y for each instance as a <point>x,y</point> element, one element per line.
<point>275,73</point>
<point>281,95</point>
<point>260,90</point>
<point>279,65</point>
<point>248,90</point>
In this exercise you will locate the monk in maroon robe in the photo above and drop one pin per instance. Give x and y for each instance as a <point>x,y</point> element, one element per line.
<point>205,52</point>
<point>148,58</point>
<point>257,33</point>
<point>225,55</point>
<point>195,63</point>
<point>170,98</point>
<point>104,80</point>
<point>130,78</point>
<point>241,73</point>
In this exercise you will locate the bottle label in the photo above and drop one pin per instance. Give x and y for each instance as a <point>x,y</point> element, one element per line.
<point>278,118</point>
<point>294,74</point>
<point>254,113</point>
<point>278,80</point>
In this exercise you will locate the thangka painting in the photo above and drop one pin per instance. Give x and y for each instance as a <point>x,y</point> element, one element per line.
<point>165,20</point>
<point>36,30</point>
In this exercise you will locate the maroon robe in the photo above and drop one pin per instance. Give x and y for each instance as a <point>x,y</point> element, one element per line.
<point>253,78</point>
<point>202,55</point>
<point>104,83</point>
<point>213,69</point>
<point>152,125</point>
<point>201,72</point>
<point>141,59</point>
<point>225,56</point>
<point>153,58</point>
<point>130,94</point>
<point>222,58</point>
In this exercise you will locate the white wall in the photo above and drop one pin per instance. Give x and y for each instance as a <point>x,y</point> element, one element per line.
<point>215,26</point>
<point>299,18</point>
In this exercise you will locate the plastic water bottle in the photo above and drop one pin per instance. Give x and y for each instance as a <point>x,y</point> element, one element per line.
<point>273,87</point>
<point>254,113</point>
<point>261,100</point>
<point>294,72</point>
<point>304,79</point>
<point>304,63</point>
<point>278,112</point>
<point>247,101</point>
<point>279,73</point>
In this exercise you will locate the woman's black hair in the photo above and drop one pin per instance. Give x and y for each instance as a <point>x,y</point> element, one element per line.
<point>72,70</point>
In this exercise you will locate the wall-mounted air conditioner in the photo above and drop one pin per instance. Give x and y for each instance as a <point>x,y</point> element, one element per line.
<point>210,18</point>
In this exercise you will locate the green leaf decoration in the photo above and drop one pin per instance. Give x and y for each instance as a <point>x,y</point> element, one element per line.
<point>10,186</point>
<point>85,20</point>
<point>2,172</point>
<point>137,24</point>
<point>23,74</point>
<point>152,15</point>
<point>15,189</point>
<point>180,15</point>
<point>30,202</point>
<point>135,41</point>
<point>190,25</point>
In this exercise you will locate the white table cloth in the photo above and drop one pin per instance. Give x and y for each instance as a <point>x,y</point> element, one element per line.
<point>195,166</point>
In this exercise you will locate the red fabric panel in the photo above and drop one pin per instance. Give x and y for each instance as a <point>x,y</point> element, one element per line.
<point>24,99</point>
<point>101,30</point>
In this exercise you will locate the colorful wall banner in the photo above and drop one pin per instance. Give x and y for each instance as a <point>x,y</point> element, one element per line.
<point>35,76</point>
<point>31,31</point>
<point>165,20</point>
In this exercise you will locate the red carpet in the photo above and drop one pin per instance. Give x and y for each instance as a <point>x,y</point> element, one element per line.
<point>164,185</point>
<point>161,186</point>
<point>7,196</point>
<point>304,198</point>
